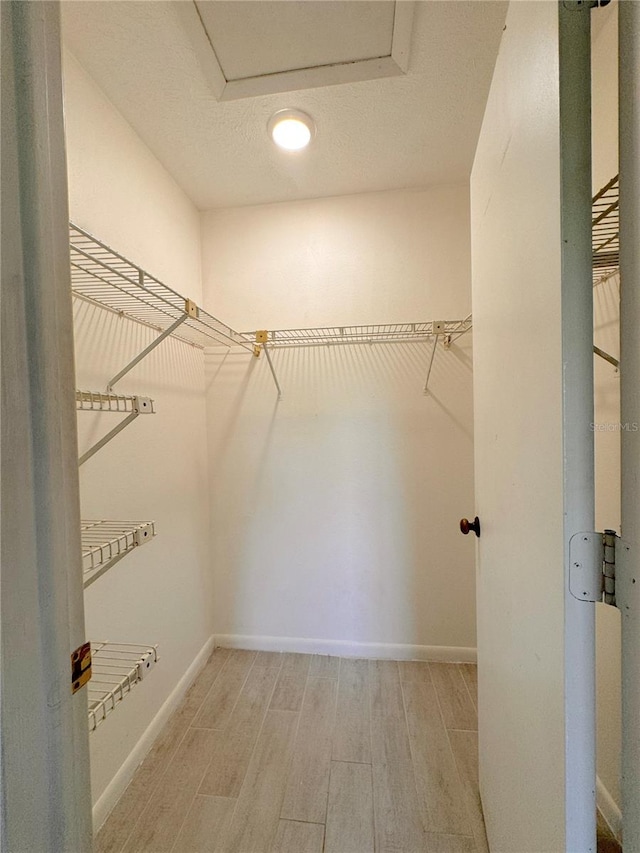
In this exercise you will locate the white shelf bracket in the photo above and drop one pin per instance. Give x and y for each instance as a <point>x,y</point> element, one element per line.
<point>440,328</point>
<point>273,373</point>
<point>103,569</point>
<point>605,355</point>
<point>191,310</point>
<point>105,543</point>
<point>261,339</point>
<point>141,405</point>
<point>116,668</point>
<point>433,353</point>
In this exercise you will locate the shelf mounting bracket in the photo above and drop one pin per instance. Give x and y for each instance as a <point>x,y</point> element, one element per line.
<point>141,405</point>
<point>261,339</point>
<point>190,312</point>
<point>433,353</point>
<point>605,355</point>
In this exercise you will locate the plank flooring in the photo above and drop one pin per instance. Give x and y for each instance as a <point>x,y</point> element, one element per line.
<point>286,753</point>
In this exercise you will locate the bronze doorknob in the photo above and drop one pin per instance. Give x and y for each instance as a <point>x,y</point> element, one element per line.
<point>466,526</point>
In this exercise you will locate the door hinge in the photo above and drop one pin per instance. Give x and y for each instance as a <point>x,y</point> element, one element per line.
<point>592,569</point>
<point>578,5</point>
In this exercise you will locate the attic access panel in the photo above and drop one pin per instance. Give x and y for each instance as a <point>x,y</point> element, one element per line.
<point>261,48</point>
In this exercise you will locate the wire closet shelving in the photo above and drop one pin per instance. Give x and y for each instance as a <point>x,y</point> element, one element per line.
<point>104,543</point>
<point>366,334</point>
<point>116,669</point>
<point>382,333</point>
<point>605,242</point>
<point>102,276</point>
<point>605,230</point>
<point>98,401</point>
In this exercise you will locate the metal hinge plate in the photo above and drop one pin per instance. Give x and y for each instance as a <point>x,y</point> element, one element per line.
<point>586,557</point>
<point>628,591</point>
<point>592,566</point>
<point>578,5</point>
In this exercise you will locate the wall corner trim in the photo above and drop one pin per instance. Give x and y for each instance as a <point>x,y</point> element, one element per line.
<point>347,648</point>
<point>609,809</point>
<point>111,794</point>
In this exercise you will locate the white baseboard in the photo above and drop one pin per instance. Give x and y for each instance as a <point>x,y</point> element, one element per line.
<point>116,787</point>
<point>609,809</point>
<point>345,648</point>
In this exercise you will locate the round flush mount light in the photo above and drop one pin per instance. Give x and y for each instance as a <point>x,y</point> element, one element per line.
<point>292,130</point>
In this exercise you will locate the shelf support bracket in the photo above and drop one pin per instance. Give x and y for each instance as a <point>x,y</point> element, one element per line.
<point>273,373</point>
<point>605,355</point>
<point>433,353</point>
<point>189,312</point>
<point>261,340</point>
<point>107,438</point>
<point>141,405</point>
<point>101,571</point>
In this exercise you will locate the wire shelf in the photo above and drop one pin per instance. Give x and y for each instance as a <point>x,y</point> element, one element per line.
<point>102,276</point>
<point>605,230</point>
<point>380,333</point>
<point>104,543</point>
<point>98,401</point>
<point>115,670</point>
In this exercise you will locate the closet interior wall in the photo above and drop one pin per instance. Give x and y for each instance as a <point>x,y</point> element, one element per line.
<point>327,521</point>
<point>607,416</point>
<point>334,511</point>
<point>155,469</point>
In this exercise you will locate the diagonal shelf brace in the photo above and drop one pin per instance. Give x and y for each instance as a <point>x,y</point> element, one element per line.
<point>440,328</point>
<point>145,352</point>
<point>273,373</point>
<point>261,340</point>
<point>141,405</point>
<point>103,569</point>
<point>107,438</point>
<point>433,353</point>
<point>105,543</point>
<point>605,355</point>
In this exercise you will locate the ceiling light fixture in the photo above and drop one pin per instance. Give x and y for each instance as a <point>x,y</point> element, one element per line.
<point>292,130</point>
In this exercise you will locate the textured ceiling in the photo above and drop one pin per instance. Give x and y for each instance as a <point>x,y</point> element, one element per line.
<point>410,131</point>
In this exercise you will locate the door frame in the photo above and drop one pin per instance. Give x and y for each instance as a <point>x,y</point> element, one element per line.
<point>574,21</point>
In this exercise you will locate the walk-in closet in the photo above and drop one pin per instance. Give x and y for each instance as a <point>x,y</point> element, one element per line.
<point>267,383</point>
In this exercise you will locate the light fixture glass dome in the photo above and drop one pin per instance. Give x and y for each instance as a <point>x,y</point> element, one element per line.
<point>292,130</point>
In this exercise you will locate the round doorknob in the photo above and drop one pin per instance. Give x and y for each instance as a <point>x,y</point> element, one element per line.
<point>467,526</point>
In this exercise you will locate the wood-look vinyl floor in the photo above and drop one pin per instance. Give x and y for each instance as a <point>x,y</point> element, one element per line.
<point>288,753</point>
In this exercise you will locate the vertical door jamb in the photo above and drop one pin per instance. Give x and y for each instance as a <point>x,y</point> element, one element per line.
<point>628,572</point>
<point>578,407</point>
<point>45,797</point>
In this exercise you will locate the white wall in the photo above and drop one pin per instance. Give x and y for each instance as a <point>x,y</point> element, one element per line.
<point>607,407</point>
<point>156,469</point>
<point>121,193</point>
<point>334,512</point>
